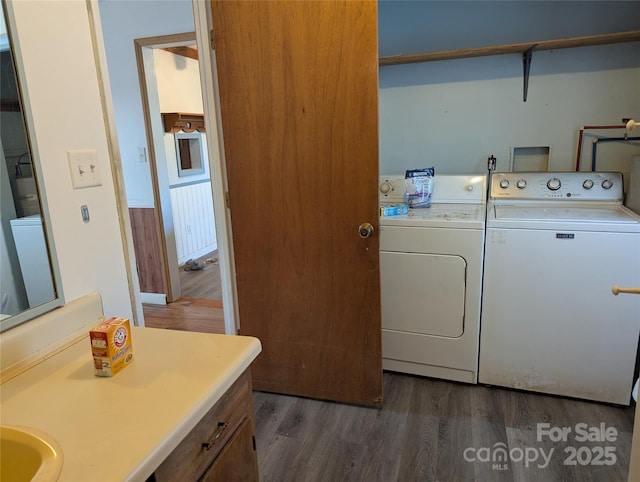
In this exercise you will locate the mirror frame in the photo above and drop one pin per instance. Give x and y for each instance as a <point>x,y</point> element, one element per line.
<point>58,301</point>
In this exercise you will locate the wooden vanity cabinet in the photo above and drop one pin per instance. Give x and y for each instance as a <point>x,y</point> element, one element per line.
<point>221,447</point>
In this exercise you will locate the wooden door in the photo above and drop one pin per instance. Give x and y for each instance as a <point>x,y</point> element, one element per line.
<point>299,106</point>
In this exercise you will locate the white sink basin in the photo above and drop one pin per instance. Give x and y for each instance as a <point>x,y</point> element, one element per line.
<point>27,454</point>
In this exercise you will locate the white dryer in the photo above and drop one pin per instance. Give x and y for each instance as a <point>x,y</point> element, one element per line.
<point>431,277</point>
<point>33,256</point>
<point>556,245</point>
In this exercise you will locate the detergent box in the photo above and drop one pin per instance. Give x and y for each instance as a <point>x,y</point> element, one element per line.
<point>111,346</point>
<point>394,210</point>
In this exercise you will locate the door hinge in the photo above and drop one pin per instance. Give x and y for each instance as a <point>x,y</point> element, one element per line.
<point>227,201</point>
<point>213,44</point>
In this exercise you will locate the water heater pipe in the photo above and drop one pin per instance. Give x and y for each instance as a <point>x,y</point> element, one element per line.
<point>584,128</point>
<point>607,139</point>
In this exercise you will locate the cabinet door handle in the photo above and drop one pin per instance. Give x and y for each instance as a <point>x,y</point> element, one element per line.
<point>221,428</point>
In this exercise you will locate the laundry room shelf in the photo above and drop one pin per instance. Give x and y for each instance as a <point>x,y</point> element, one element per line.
<point>517,48</point>
<point>525,49</point>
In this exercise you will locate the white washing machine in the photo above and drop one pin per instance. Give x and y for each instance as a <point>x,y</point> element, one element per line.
<point>431,277</point>
<point>33,256</point>
<point>556,244</point>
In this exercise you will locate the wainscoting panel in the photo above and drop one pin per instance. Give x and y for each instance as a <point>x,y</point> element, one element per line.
<point>193,220</point>
<point>147,248</point>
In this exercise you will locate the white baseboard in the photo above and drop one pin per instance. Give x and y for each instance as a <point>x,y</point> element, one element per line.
<point>154,298</point>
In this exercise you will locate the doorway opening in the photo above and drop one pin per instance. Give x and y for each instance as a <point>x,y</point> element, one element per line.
<point>175,240</point>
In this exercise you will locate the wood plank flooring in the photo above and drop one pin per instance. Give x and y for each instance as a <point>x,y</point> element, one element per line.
<point>187,314</point>
<point>203,283</point>
<point>422,431</point>
<point>199,308</point>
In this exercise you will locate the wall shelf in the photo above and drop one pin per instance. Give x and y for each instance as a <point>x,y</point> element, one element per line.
<point>181,121</point>
<point>519,48</point>
<point>525,49</point>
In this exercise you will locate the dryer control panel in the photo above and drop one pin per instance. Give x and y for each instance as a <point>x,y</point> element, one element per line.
<point>566,186</point>
<point>391,189</point>
<point>447,188</point>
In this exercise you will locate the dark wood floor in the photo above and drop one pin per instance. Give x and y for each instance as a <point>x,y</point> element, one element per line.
<point>423,431</point>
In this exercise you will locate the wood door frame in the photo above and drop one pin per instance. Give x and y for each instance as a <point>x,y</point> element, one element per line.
<point>164,218</point>
<point>217,163</point>
<point>159,179</point>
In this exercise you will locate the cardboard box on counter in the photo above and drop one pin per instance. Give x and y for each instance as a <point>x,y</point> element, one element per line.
<point>111,346</point>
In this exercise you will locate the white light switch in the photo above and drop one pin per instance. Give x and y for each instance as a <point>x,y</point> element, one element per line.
<point>84,168</point>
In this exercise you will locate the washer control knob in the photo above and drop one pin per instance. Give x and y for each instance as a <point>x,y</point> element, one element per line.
<point>607,184</point>
<point>554,184</point>
<point>504,183</point>
<point>385,188</point>
<point>521,184</point>
<point>587,184</point>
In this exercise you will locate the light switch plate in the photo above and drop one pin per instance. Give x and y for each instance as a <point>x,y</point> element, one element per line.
<point>142,154</point>
<point>84,209</point>
<point>84,168</point>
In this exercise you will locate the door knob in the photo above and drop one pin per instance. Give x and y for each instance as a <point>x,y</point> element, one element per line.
<point>365,230</point>
<point>615,290</point>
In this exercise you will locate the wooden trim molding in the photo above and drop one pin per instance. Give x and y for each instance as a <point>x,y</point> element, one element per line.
<point>184,51</point>
<point>164,217</point>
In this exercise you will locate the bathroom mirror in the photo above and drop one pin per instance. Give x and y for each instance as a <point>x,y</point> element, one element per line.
<point>27,280</point>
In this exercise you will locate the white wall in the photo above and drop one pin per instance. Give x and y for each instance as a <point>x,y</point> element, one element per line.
<point>446,114</point>
<point>455,114</point>
<point>423,107</point>
<point>122,22</point>
<point>53,41</point>
<point>178,85</point>
<point>178,79</point>
<point>178,89</point>
<point>409,26</point>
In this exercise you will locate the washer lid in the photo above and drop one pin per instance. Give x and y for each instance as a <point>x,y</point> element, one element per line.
<point>565,214</point>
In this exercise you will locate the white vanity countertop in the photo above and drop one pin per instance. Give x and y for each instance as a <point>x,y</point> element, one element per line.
<point>122,428</point>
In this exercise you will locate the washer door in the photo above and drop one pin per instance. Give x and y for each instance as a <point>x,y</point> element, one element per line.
<point>423,293</point>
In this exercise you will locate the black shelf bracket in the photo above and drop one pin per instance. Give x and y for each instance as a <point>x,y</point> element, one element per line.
<point>527,55</point>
